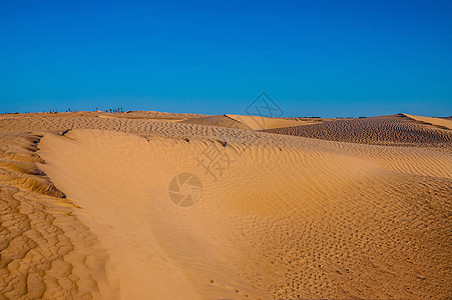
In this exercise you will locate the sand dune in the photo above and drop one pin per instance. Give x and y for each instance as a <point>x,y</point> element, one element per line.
<point>261,123</point>
<point>247,122</point>
<point>440,122</point>
<point>221,121</point>
<point>279,216</point>
<point>397,130</point>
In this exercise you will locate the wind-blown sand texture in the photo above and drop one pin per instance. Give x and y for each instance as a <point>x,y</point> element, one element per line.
<point>346,209</point>
<point>398,130</point>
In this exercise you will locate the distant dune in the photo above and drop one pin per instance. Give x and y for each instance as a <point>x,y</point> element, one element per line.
<point>261,123</point>
<point>440,122</point>
<point>386,130</point>
<point>344,209</point>
<point>247,122</point>
<point>221,121</point>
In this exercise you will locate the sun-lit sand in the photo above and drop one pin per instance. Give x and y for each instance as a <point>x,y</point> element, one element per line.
<point>441,122</point>
<point>287,209</point>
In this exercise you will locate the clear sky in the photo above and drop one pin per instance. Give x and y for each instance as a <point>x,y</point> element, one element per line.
<point>314,58</point>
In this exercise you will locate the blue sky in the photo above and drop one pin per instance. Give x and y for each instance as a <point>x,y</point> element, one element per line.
<point>314,58</point>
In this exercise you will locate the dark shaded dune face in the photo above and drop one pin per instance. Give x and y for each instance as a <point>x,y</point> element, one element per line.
<point>396,130</point>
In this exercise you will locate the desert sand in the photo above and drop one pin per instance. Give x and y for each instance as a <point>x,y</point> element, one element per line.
<point>280,208</point>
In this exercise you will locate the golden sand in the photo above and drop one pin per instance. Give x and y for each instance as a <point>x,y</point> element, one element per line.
<point>344,209</point>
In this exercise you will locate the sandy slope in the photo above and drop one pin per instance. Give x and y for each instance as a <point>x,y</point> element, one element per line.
<point>288,217</point>
<point>440,122</point>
